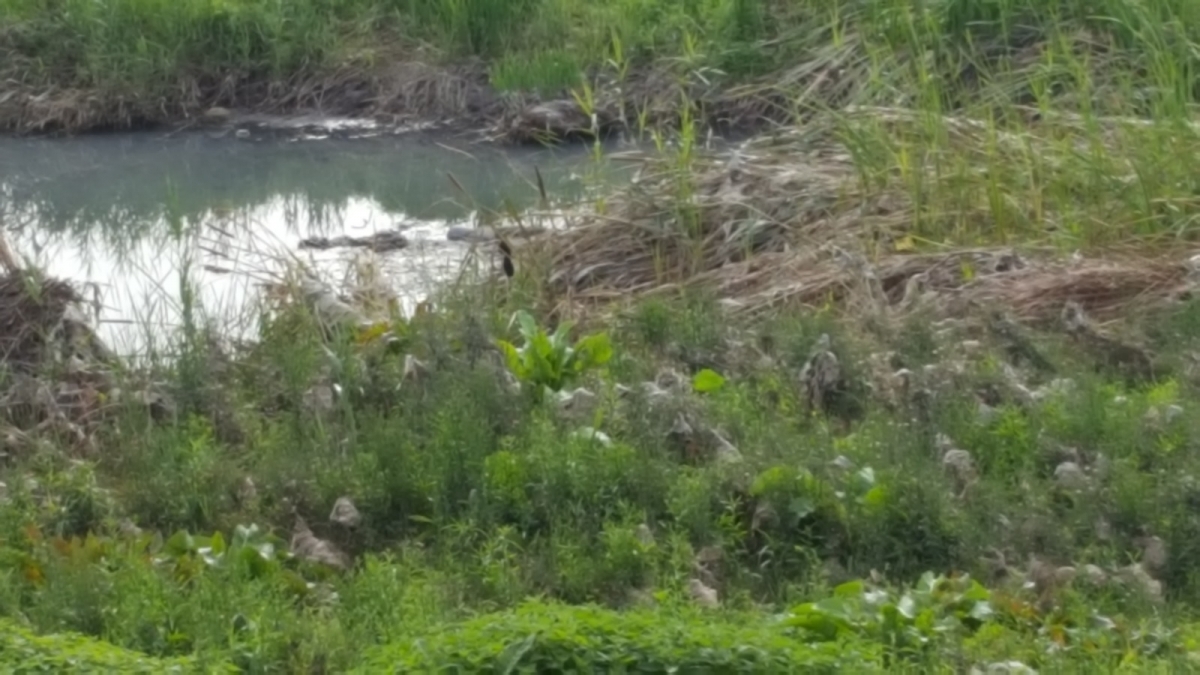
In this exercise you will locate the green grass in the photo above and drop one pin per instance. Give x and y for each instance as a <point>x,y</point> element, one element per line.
<point>493,535</point>
<point>1128,56</point>
<point>475,500</point>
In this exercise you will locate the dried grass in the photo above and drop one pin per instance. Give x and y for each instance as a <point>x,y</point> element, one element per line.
<point>58,375</point>
<point>32,314</point>
<point>1034,289</point>
<point>785,220</point>
<point>674,222</point>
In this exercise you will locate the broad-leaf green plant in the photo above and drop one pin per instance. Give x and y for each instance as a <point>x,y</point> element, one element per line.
<point>550,360</point>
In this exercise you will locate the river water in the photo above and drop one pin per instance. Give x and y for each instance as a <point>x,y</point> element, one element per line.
<point>128,213</point>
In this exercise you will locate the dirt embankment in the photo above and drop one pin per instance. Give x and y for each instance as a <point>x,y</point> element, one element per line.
<point>399,95</point>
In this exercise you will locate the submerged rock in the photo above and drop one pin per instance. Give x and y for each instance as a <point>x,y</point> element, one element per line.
<point>379,242</point>
<point>216,115</point>
<point>474,235</point>
<point>559,119</point>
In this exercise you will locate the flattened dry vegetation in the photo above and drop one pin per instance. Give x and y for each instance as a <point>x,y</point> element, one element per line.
<point>832,212</point>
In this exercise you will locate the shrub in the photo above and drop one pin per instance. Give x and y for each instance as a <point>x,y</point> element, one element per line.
<point>549,638</point>
<point>22,651</point>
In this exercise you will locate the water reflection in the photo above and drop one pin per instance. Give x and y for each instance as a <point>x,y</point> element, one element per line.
<point>128,212</point>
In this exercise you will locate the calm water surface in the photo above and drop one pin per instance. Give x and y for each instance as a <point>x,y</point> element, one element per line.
<point>126,213</point>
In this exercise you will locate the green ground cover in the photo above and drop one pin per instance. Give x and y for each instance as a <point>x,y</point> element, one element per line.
<point>1043,475</point>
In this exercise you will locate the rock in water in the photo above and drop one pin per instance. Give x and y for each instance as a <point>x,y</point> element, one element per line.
<point>554,119</point>
<point>379,242</point>
<point>474,235</point>
<point>217,115</point>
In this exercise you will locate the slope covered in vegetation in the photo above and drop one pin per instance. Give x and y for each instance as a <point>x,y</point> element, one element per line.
<point>907,382</point>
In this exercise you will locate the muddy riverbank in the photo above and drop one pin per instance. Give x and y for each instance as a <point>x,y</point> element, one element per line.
<point>410,97</point>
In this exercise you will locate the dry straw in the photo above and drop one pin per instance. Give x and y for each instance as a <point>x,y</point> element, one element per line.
<point>787,219</point>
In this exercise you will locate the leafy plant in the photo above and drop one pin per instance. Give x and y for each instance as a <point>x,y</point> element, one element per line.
<point>542,637</point>
<point>937,608</point>
<point>550,361</point>
<point>252,552</point>
<point>707,381</point>
<point>22,651</point>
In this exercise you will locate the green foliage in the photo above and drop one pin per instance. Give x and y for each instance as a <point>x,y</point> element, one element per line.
<point>22,651</point>
<point>937,609</point>
<point>707,380</point>
<point>541,637</point>
<point>548,73</point>
<point>550,361</point>
<point>483,27</point>
<point>473,502</point>
<point>252,552</point>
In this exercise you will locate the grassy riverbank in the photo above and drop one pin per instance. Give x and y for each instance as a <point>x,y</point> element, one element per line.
<point>78,64</point>
<point>989,460</point>
<point>715,505</point>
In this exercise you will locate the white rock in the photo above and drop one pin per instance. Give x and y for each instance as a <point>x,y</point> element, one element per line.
<point>1094,575</point>
<point>576,398</point>
<point>1137,577</point>
<point>1172,413</point>
<point>958,460</point>
<point>1069,476</point>
<point>703,595</point>
<point>644,535</point>
<point>345,513</point>
<point>1064,575</point>
<point>1009,668</point>
<point>593,435</point>
<point>842,462</point>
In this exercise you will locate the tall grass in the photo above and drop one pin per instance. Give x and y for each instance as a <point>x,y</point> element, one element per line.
<point>142,44</point>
